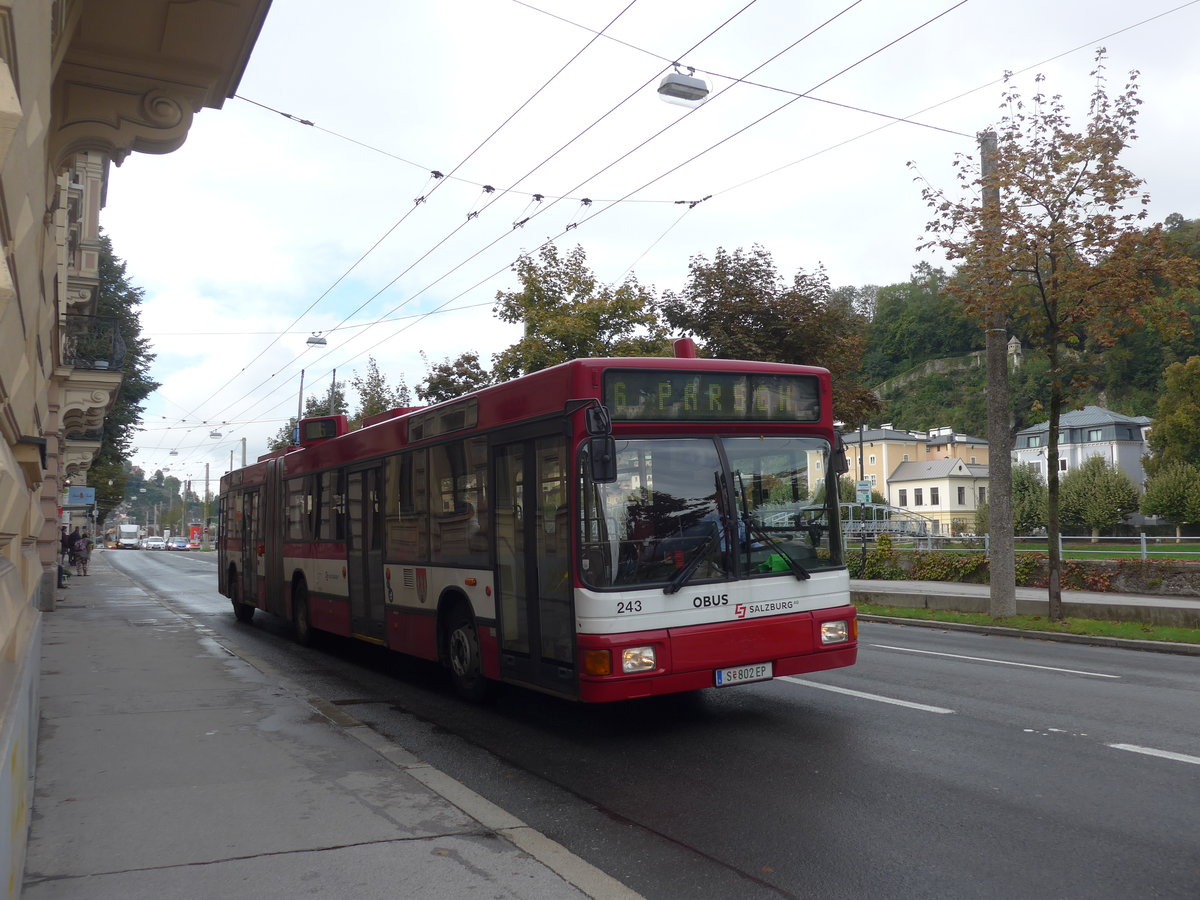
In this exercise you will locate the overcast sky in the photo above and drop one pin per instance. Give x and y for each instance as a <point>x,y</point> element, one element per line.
<point>261,230</point>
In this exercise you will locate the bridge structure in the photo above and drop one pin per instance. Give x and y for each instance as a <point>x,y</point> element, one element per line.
<point>873,519</point>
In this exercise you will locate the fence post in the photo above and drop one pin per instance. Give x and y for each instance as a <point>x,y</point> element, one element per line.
<point>1060,553</point>
<point>1143,536</point>
<point>986,545</point>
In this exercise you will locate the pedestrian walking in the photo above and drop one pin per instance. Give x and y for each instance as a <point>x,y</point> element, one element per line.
<point>83,554</point>
<point>72,540</point>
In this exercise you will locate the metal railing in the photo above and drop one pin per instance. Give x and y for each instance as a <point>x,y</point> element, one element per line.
<point>1143,546</point>
<point>93,343</point>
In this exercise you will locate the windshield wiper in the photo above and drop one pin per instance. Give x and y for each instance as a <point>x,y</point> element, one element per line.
<point>798,570</point>
<point>680,578</point>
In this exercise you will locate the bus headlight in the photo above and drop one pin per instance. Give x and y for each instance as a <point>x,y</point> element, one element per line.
<point>837,632</point>
<point>638,659</point>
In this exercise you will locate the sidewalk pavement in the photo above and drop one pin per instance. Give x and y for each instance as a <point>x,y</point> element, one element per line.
<point>168,767</point>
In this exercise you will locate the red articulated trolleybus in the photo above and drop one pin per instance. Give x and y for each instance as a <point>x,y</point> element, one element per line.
<point>601,530</point>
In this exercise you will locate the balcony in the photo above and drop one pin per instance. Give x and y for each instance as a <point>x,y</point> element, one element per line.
<point>93,353</point>
<point>92,343</point>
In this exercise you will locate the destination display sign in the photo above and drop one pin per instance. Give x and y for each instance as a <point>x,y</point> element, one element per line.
<point>711,396</point>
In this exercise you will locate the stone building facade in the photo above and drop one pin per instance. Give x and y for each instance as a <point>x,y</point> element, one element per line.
<point>83,84</point>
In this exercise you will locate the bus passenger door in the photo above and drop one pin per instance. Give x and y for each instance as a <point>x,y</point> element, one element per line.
<point>534,612</point>
<point>250,565</point>
<point>364,552</point>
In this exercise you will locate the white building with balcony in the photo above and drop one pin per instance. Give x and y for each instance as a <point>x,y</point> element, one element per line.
<point>1084,433</point>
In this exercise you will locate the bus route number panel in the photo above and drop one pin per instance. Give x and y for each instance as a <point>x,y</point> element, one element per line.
<point>744,674</point>
<point>633,395</point>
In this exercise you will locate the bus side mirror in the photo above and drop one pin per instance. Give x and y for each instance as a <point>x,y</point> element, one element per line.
<point>602,456</point>
<point>597,420</point>
<point>841,463</point>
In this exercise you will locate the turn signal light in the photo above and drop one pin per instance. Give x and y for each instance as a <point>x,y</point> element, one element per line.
<point>597,662</point>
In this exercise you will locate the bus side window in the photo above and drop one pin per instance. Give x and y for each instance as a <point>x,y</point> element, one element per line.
<point>406,508</point>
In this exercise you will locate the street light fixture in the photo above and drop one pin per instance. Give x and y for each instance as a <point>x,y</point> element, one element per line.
<point>316,340</point>
<point>681,89</point>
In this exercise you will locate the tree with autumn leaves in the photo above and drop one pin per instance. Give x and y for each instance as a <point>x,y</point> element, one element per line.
<point>1062,255</point>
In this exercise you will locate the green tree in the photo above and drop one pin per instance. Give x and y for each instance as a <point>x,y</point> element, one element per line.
<point>1029,499</point>
<point>1174,493</point>
<point>452,378</point>
<point>1097,495</point>
<point>740,307</point>
<point>1175,436</point>
<point>1061,254</point>
<point>119,299</point>
<point>375,395</point>
<point>917,321</point>
<point>567,315</point>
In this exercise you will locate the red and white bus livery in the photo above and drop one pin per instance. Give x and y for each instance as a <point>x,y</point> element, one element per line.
<point>601,530</point>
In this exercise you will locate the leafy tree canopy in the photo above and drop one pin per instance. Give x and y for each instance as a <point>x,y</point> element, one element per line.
<point>1097,495</point>
<point>740,307</point>
<point>1174,493</point>
<point>1175,436</point>
<point>452,378</point>
<point>375,395</point>
<point>119,299</point>
<point>567,314</point>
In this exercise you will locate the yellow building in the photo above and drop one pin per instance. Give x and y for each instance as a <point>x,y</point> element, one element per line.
<point>83,83</point>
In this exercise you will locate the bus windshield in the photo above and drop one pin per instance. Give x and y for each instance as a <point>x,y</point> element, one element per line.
<point>670,515</point>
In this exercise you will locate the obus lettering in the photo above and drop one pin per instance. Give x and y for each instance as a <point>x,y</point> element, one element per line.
<point>710,600</point>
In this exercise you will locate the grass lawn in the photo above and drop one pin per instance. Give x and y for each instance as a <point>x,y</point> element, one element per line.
<point>1128,630</point>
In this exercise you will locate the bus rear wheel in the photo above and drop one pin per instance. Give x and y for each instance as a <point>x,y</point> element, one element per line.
<point>243,612</point>
<point>462,648</point>
<point>302,629</point>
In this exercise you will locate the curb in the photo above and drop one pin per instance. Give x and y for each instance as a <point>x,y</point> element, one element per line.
<point>1095,640</point>
<point>574,870</point>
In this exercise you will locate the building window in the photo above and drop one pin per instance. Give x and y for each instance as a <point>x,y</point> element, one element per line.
<point>916,496</point>
<point>1095,434</point>
<point>962,496</point>
<point>905,457</point>
<point>903,497</point>
<point>1035,440</point>
<point>1062,465</point>
<point>871,460</point>
<point>933,496</point>
<point>972,460</point>
<point>983,495</point>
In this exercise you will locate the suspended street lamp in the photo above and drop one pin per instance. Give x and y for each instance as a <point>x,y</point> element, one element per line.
<point>316,340</point>
<point>681,89</point>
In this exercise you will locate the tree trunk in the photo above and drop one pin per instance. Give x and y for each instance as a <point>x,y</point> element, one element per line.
<point>1054,562</point>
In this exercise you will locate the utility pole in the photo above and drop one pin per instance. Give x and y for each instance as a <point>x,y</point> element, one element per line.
<point>1002,563</point>
<point>205,517</point>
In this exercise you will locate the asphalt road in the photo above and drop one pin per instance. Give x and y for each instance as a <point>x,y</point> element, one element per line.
<point>944,764</point>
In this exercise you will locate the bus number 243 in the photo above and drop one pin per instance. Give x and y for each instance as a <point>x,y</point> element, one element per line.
<point>628,606</point>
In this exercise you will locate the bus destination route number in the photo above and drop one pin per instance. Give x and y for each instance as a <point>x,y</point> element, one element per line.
<point>743,674</point>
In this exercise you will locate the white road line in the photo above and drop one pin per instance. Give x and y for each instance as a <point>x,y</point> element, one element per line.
<point>999,662</point>
<point>1150,751</point>
<point>865,696</point>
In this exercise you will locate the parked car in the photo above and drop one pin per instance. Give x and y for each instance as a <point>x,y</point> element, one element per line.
<point>154,542</point>
<point>178,543</point>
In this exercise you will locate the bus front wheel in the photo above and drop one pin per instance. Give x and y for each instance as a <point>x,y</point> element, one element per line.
<point>466,672</point>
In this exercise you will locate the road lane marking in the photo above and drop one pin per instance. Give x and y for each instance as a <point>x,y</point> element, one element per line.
<point>1150,751</point>
<point>840,690</point>
<point>999,662</point>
